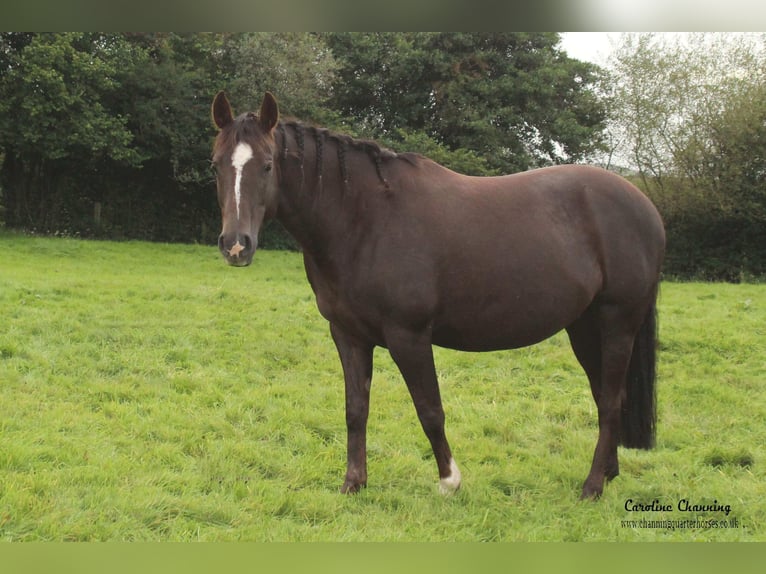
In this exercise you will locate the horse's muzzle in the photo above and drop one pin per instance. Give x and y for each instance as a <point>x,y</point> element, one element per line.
<point>237,248</point>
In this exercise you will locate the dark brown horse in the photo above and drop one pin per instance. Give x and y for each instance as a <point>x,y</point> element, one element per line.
<point>404,254</point>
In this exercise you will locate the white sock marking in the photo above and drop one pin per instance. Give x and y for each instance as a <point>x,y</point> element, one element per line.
<point>242,154</point>
<point>450,484</point>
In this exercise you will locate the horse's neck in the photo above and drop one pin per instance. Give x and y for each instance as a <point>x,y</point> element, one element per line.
<point>325,184</point>
<point>315,209</point>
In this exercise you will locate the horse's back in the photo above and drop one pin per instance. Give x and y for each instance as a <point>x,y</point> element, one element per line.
<point>512,260</point>
<point>565,211</point>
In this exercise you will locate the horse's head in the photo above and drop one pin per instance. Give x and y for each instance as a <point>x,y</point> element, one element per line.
<point>246,174</point>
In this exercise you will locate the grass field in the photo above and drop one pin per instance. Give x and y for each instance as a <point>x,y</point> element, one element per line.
<point>150,392</point>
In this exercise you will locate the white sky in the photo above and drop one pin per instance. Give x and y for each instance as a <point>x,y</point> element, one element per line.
<point>596,47</point>
<point>589,46</point>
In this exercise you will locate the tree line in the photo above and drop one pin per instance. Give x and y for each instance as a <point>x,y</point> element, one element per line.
<point>689,114</point>
<point>109,135</point>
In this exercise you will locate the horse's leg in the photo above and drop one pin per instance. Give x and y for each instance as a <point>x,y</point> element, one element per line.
<point>618,332</point>
<point>413,354</point>
<point>356,358</point>
<point>585,338</point>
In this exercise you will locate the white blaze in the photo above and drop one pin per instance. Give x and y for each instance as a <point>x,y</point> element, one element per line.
<point>451,483</point>
<point>242,154</point>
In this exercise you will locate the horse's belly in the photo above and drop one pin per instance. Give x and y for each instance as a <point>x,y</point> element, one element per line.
<point>511,319</point>
<point>493,334</point>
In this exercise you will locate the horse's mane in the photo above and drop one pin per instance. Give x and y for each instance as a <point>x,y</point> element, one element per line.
<point>378,154</point>
<point>246,128</point>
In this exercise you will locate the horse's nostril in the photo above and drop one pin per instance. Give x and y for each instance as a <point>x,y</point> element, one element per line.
<point>220,243</point>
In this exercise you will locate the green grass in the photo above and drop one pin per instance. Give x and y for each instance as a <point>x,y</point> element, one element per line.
<point>150,392</point>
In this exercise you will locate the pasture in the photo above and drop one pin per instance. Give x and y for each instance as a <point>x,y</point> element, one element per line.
<point>150,392</point>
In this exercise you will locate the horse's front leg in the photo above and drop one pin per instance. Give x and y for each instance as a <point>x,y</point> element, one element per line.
<point>356,358</point>
<point>413,354</point>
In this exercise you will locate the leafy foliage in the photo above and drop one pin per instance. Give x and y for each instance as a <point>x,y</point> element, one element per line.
<point>299,68</point>
<point>514,99</point>
<point>97,121</point>
<point>109,134</point>
<point>692,114</point>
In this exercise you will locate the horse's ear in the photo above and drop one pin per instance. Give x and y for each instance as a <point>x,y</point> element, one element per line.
<point>269,115</point>
<point>221,110</point>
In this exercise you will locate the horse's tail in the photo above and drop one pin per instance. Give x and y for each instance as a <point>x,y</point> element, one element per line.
<point>639,410</point>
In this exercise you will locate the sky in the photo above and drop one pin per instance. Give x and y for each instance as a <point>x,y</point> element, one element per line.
<point>589,46</point>
<point>596,47</point>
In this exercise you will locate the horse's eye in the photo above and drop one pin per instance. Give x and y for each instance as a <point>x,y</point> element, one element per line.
<point>268,166</point>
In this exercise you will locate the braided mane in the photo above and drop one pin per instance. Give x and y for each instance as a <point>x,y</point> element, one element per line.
<point>379,155</point>
<point>246,128</point>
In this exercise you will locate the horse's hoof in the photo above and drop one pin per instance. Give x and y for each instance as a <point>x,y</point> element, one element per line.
<point>351,487</point>
<point>448,490</point>
<point>450,484</point>
<point>591,492</point>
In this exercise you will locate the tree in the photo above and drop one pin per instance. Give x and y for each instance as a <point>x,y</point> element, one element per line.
<point>166,98</point>
<point>110,134</point>
<point>54,124</point>
<point>514,99</point>
<point>692,114</point>
<point>297,67</point>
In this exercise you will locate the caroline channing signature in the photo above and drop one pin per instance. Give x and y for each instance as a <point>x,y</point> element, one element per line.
<point>683,505</point>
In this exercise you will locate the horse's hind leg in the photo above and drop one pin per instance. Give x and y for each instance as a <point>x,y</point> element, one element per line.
<point>617,329</point>
<point>585,338</point>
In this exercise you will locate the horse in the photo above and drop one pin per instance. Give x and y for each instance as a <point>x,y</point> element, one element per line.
<point>403,253</point>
